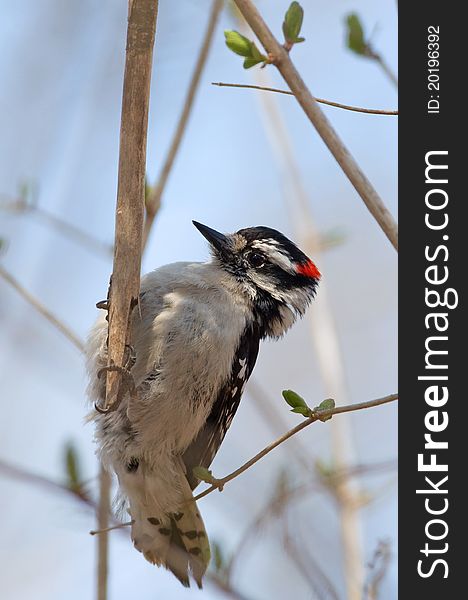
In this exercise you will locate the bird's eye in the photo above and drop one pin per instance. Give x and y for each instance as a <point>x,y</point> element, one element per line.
<point>256,260</point>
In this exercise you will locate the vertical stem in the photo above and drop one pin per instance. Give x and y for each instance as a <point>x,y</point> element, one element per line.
<point>323,335</point>
<point>125,282</point>
<point>125,285</point>
<point>154,201</point>
<point>103,538</point>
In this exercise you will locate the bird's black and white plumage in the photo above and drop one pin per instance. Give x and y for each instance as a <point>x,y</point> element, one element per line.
<point>196,336</point>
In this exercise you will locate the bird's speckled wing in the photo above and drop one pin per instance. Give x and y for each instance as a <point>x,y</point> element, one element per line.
<point>203,449</point>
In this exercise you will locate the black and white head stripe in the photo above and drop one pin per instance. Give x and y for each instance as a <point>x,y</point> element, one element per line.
<point>277,277</point>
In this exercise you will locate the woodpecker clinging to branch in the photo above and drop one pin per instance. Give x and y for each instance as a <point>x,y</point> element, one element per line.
<point>196,336</point>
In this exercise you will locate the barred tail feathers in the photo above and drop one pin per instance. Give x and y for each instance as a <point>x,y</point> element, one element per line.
<point>172,535</point>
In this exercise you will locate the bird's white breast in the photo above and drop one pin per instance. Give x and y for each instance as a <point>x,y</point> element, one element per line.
<point>186,333</point>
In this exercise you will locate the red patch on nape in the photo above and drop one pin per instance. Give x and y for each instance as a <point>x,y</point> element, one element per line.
<point>308,269</point>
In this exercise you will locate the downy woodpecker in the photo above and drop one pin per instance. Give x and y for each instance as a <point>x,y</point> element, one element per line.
<point>196,334</point>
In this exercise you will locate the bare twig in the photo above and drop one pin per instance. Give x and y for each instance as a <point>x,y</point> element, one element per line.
<point>154,200</point>
<point>282,61</point>
<point>22,206</point>
<point>309,568</point>
<point>103,513</point>
<point>319,415</point>
<point>377,569</point>
<point>21,474</point>
<point>371,53</point>
<point>371,111</point>
<point>45,312</point>
<point>275,506</point>
<point>271,413</point>
<point>50,485</point>
<point>118,526</point>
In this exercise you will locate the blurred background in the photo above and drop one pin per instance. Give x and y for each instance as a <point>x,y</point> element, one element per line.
<point>317,517</point>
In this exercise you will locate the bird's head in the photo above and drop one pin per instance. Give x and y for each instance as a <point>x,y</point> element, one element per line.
<point>277,277</point>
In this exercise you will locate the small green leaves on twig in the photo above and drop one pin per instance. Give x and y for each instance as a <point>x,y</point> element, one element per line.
<point>355,35</point>
<point>297,403</point>
<point>246,48</point>
<point>328,404</point>
<point>252,56</point>
<point>292,25</point>
<point>203,474</point>
<point>358,43</point>
<point>72,468</point>
<point>300,406</point>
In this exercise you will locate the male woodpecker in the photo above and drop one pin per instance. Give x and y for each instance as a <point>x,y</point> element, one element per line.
<point>196,335</point>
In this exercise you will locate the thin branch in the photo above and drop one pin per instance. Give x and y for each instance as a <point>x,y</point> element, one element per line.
<point>273,415</point>
<point>371,111</point>
<point>282,61</point>
<point>153,202</point>
<point>276,506</point>
<point>103,513</point>
<point>45,312</point>
<point>49,484</point>
<point>21,206</point>
<point>371,53</point>
<point>319,415</point>
<point>113,528</point>
<point>378,567</point>
<point>309,568</point>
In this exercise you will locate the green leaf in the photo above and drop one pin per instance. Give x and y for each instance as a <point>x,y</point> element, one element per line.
<point>294,399</point>
<point>238,43</point>
<point>299,40</point>
<point>302,410</point>
<point>255,52</point>
<point>293,22</point>
<point>328,404</point>
<point>72,467</point>
<point>203,474</point>
<point>355,35</point>
<point>251,62</point>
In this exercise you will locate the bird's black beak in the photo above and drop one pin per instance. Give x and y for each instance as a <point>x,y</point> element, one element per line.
<point>218,240</point>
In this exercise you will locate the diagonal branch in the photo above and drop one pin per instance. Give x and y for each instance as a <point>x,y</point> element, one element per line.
<point>280,58</point>
<point>22,206</point>
<point>154,199</point>
<point>23,475</point>
<point>318,415</point>
<point>45,312</point>
<point>370,111</point>
<point>276,506</point>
